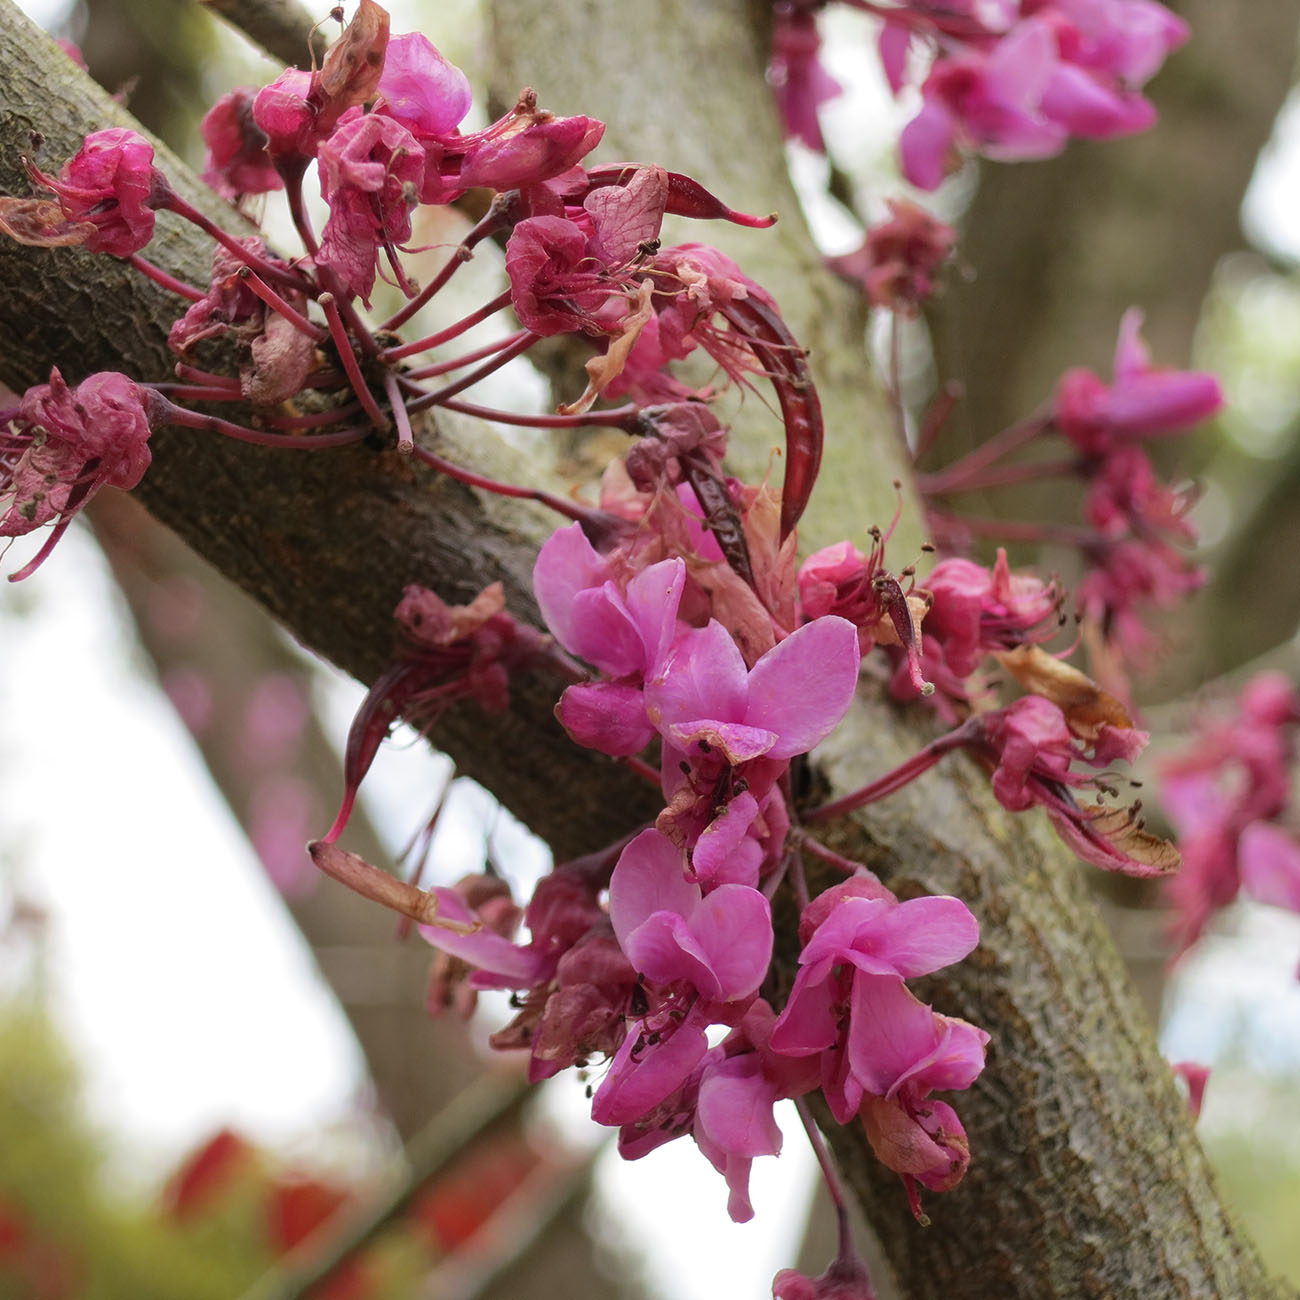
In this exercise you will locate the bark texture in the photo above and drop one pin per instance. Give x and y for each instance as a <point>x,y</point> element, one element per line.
<point>1086,1180</point>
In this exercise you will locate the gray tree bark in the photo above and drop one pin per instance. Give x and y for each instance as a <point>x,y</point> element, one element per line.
<point>1086,1179</point>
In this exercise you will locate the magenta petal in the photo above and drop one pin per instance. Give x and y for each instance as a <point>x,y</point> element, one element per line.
<point>890,1031</point>
<point>954,1063</point>
<point>642,1074</point>
<point>1269,861</point>
<point>421,87</point>
<point>652,599</point>
<point>734,928</point>
<point>666,950</point>
<point>925,144</point>
<point>722,840</point>
<point>924,934</point>
<point>566,565</point>
<point>647,879</point>
<point>703,676</point>
<point>484,948</point>
<point>603,632</point>
<point>606,716</point>
<point>839,932</point>
<point>802,687</point>
<point>808,1023</point>
<point>737,743</point>
<point>735,1107</point>
<point>1164,401</point>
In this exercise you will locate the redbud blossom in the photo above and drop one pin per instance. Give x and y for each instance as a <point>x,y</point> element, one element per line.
<point>111,184</point>
<point>60,446</point>
<point>237,161</point>
<point>899,260</point>
<point>1144,400</point>
<point>800,83</point>
<point>371,170</point>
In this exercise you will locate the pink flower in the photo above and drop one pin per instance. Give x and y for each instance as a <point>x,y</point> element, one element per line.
<point>62,445</point>
<point>798,80</point>
<point>860,943</point>
<point>1229,795</point>
<point>975,611</point>
<point>427,94</point>
<point>734,1123</point>
<point>719,944</point>
<point>1143,401</point>
<point>444,653</point>
<point>285,115</point>
<point>622,632</point>
<point>371,169</point>
<point>112,184</point>
<point>237,161</point>
<point>898,262</point>
<point>986,100</point>
<point>529,152</point>
<point>702,692</point>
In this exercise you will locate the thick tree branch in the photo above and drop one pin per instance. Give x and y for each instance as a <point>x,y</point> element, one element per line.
<point>1086,1180</point>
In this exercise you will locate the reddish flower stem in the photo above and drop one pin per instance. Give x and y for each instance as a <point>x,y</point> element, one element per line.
<point>451,332</point>
<point>498,217</point>
<point>268,271</point>
<point>642,769</point>
<point>919,763</point>
<point>205,377</point>
<point>945,484</point>
<point>351,367</point>
<point>999,445</point>
<point>569,509</point>
<point>199,392</point>
<point>405,438</point>
<point>278,304</point>
<point>516,349</point>
<point>819,850</point>
<point>627,418</point>
<point>445,367</point>
<point>1017,530</point>
<point>259,437</point>
<point>292,177</point>
<point>159,276</point>
<point>936,417</point>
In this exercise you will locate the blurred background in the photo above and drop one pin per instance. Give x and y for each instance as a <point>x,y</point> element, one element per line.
<point>218,1077</point>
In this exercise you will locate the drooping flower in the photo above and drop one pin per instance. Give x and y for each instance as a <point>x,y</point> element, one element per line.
<point>371,170</point>
<point>61,445</point>
<point>237,161</point>
<point>111,185</point>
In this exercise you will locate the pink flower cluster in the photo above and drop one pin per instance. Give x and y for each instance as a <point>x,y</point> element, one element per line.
<point>1229,795</point>
<point>1140,523</point>
<point>686,942</point>
<point>1011,79</point>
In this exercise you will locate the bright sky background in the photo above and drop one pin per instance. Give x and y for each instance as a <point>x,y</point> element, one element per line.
<point>176,973</point>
